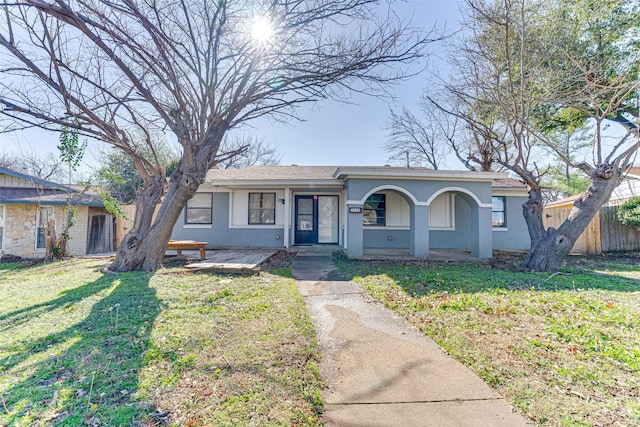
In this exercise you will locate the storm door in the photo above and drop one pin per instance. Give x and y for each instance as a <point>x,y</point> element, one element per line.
<point>328,219</point>
<point>316,220</point>
<point>306,220</point>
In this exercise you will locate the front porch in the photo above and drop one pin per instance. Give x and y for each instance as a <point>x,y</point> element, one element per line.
<point>446,255</point>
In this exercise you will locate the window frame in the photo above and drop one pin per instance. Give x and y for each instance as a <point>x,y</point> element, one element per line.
<point>376,210</point>
<point>503,211</point>
<point>187,209</point>
<point>41,226</point>
<point>261,209</point>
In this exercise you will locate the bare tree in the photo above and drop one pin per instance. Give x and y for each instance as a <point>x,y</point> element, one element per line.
<point>413,140</point>
<point>193,68</point>
<point>244,149</point>
<point>29,162</point>
<point>520,57</point>
<point>437,131</point>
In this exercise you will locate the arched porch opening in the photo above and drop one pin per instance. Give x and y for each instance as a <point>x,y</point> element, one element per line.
<point>469,224</point>
<point>391,218</point>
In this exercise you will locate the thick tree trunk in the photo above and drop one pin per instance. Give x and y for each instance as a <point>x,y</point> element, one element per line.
<point>49,239</point>
<point>144,246</point>
<point>550,247</point>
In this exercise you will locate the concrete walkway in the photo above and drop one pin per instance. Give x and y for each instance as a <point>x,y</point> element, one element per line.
<point>378,370</point>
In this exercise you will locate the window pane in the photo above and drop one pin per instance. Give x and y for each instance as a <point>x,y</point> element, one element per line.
<point>198,216</point>
<point>498,203</point>
<point>200,200</point>
<point>373,212</point>
<point>305,222</point>
<point>268,200</point>
<point>498,215</point>
<point>305,206</point>
<point>497,219</point>
<point>40,243</point>
<point>254,200</point>
<point>267,216</point>
<point>46,213</point>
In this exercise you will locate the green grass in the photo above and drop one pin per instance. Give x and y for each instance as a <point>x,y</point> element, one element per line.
<point>563,348</point>
<point>78,347</point>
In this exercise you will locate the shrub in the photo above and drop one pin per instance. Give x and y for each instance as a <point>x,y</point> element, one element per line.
<point>629,212</point>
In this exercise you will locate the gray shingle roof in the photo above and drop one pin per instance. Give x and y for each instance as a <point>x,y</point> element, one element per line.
<point>259,173</point>
<point>327,173</point>
<point>508,183</point>
<point>47,196</point>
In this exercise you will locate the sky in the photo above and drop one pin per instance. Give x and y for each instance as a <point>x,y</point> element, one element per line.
<point>335,133</point>
<point>332,133</point>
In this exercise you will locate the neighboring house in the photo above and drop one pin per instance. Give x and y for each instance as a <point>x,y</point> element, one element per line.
<point>357,208</point>
<point>628,188</point>
<point>27,202</point>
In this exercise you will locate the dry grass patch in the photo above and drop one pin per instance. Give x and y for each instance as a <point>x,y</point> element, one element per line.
<point>564,349</point>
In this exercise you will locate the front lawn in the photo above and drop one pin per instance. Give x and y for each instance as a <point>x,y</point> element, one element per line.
<point>563,348</point>
<point>81,347</point>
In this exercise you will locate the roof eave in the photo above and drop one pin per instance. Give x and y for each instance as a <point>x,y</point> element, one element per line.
<point>344,173</point>
<point>276,182</point>
<point>95,204</point>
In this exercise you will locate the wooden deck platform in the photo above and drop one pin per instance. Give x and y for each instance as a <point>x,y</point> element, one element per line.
<point>233,261</point>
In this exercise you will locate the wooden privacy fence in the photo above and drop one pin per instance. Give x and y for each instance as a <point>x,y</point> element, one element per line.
<point>123,225</point>
<point>615,235</point>
<point>605,233</point>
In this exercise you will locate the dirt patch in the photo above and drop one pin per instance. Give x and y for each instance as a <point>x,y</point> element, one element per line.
<point>281,259</point>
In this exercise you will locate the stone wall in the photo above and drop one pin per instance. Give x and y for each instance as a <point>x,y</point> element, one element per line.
<point>20,230</point>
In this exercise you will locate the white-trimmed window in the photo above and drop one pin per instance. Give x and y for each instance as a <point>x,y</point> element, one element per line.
<point>45,213</point>
<point>499,211</point>
<point>198,209</point>
<point>2,214</point>
<point>262,208</point>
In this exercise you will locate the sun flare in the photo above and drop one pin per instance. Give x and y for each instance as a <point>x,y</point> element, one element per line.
<point>262,30</point>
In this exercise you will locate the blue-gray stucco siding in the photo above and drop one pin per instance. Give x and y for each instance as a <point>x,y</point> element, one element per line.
<point>517,235</point>
<point>221,236</point>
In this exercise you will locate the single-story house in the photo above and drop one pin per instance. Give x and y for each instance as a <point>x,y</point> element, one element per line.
<point>27,203</point>
<point>357,208</point>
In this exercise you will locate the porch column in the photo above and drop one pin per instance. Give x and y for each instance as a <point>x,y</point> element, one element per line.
<point>419,229</point>
<point>287,217</point>
<point>481,232</point>
<point>354,236</point>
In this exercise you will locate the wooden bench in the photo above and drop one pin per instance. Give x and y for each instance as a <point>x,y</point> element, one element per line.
<point>179,245</point>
